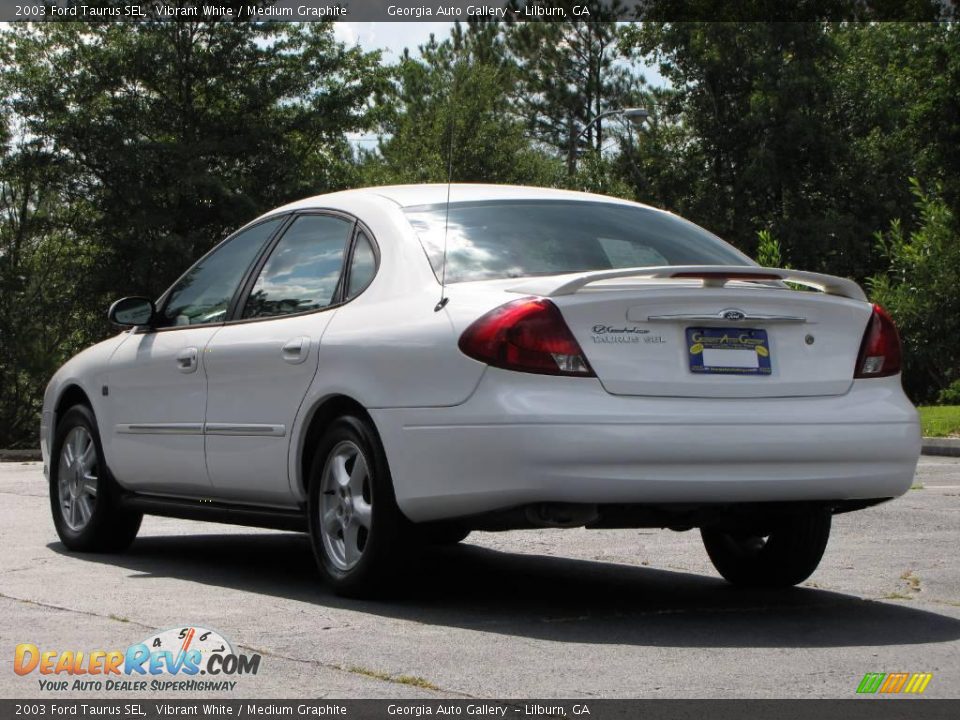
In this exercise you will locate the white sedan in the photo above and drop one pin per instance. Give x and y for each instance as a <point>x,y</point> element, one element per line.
<point>398,365</point>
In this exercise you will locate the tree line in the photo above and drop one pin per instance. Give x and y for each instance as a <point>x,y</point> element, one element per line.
<point>128,150</point>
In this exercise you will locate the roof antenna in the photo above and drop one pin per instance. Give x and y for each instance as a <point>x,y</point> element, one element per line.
<point>446,217</point>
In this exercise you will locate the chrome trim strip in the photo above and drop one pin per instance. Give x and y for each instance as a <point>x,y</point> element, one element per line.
<point>255,429</point>
<point>161,429</point>
<point>245,429</point>
<point>720,318</point>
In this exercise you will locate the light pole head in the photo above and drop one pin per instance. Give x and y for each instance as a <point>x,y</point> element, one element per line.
<point>636,116</point>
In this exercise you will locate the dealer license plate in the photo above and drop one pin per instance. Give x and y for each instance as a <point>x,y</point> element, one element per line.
<point>728,351</point>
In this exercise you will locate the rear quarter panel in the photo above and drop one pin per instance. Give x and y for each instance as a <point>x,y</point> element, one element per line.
<point>389,347</point>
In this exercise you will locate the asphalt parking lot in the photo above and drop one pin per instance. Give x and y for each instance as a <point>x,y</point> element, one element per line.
<point>544,614</point>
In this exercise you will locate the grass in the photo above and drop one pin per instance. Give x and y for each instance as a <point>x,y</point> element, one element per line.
<point>909,592</point>
<point>940,421</point>
<point>412,680</point>
<point>913,582</point>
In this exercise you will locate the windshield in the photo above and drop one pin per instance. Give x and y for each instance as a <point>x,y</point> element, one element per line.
<point>517,238</point>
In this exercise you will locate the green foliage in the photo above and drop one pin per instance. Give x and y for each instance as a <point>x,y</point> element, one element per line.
<point>45,312</point>
<point>569,75</point>
<point>755,151</point>
<point>177,133</point>
<point>950,395</point>
<point>449,115</point>
<point>804,129</point>
<point>888,83</point>
<point>768,250</point>
<point>598,174</point>
<point>920,290</point>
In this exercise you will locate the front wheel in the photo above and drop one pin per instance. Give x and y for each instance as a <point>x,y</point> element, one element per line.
<point>84,499</point>
<point>358,533</point>
<point>786,556</point>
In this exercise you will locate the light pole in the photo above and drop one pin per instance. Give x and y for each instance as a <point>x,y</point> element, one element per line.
<point>636,115</point>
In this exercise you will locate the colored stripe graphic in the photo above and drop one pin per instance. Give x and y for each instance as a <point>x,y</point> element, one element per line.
<point>894,682</point>
<point>918,682</point>
<point>914,683</point>
<point>871,682</point>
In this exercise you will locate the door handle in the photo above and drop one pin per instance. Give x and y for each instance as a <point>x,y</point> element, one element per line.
<point>295,350</point>
<point>187,360</point>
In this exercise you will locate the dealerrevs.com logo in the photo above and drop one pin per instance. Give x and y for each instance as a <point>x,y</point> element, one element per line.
<point>176,660</point>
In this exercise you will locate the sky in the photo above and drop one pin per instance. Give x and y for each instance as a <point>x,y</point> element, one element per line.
<point>393,37</point>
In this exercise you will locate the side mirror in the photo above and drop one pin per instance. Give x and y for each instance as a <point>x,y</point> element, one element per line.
<point>131,311</point>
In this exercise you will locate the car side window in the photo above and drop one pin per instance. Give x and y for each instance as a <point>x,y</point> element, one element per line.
<point>363,266</point>
<point>203,295</point>
<point>303,271</point>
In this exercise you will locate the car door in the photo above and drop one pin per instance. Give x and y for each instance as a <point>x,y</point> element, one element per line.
<point>260,366</point>
<point>156,389</point>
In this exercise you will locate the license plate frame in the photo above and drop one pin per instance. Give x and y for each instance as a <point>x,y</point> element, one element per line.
<point>728,339</point>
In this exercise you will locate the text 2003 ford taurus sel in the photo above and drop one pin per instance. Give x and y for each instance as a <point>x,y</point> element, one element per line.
<point>589,362</point>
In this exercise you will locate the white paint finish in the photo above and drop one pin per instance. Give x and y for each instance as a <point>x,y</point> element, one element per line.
<point>462,438</point>
<point>149,388</point>
<point>87,370</point>
<point>428,194</point>
<point>730,358</point>
<point>557,285</point>
<point>658,363</point>
<point>531,439</point>
<point>252,382</point>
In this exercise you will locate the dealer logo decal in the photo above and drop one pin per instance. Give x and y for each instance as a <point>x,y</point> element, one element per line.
<point>172,660</point>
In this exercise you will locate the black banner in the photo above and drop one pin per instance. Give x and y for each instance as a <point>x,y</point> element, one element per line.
<point>464,10</point>
<point>140,709</point>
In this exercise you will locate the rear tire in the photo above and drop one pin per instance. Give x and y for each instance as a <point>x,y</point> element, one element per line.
<point>785,557</point>
<point>359,536</point>
<point>84,498</point>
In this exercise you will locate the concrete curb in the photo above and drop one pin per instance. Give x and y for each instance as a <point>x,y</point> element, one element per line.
<point>19,455</point>
<point>941,446</point>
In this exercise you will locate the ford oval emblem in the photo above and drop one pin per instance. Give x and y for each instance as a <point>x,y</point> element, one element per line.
<point>733,315</point>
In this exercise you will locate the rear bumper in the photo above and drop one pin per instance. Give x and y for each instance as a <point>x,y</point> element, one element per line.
<point>525,439</point>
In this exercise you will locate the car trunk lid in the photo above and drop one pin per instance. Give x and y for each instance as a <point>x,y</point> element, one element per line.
<point>712,332</point>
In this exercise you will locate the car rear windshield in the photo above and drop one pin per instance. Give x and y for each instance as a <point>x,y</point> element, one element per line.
<point>519,238</point>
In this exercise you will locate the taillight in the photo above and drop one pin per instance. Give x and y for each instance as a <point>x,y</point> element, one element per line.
<point>528,335</point>
<point>880,353</point>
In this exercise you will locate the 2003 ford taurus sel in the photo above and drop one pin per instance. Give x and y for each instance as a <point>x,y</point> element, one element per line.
<point>398,365</point>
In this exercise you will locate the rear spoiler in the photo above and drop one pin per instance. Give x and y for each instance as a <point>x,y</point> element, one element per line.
<point>713,276</point>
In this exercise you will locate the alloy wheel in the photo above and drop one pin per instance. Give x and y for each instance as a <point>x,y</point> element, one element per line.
<point>77,478</point>
<point>346,505</point>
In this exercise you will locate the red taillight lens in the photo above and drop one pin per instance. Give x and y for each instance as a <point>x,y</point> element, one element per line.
<point>528,335</point>
<point>880,353</point>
